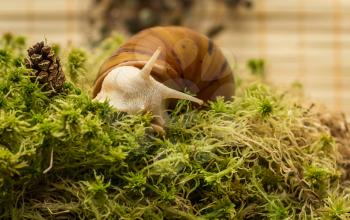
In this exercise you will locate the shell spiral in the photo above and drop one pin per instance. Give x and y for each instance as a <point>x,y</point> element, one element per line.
<point>189,61</point>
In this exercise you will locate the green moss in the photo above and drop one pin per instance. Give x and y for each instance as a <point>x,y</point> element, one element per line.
<point>256,67</point>
<point>76,64</point>
<point>259,156</point>
<point>337,206</point>
<point>265,107</point>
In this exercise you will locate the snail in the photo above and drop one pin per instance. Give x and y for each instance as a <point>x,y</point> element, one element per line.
<point>161,63</point>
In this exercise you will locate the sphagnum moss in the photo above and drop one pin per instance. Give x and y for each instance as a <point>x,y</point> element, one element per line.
<point>261,156</point>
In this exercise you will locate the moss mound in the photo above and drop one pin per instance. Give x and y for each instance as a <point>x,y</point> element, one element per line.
<point>261,156</point>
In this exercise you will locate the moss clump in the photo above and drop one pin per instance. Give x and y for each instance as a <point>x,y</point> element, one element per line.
<point>256,67</point>
<point>76,64</point>
<point>261,156</point>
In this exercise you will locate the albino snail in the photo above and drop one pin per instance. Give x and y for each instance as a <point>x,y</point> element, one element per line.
<point>161,63</point>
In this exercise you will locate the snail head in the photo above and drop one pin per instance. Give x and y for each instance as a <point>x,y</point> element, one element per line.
<point>133,90</point>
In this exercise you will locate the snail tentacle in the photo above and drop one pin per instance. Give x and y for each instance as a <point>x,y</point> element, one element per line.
<point>147,69</point>
<point>169,93</point>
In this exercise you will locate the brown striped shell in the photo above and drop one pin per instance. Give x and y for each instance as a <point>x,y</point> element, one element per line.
<point>188,61</point>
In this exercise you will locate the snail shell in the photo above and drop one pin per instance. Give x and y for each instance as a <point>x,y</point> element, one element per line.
<point>161,63</point>
<point>188,61</point>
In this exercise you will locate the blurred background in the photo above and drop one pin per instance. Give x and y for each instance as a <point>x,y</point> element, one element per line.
<point>300,42</point>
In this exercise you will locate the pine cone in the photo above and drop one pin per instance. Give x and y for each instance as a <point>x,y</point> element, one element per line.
<point>46,67</point>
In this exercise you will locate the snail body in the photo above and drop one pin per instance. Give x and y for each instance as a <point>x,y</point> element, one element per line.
<point>161,63</point>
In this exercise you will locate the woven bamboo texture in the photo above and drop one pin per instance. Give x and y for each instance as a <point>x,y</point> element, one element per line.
<point>301,41</point>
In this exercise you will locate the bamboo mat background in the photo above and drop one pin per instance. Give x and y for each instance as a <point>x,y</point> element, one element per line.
<point>59,21</point>
<point>301,40</point>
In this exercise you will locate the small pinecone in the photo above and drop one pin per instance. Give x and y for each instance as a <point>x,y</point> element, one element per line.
<point>46,67</point>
